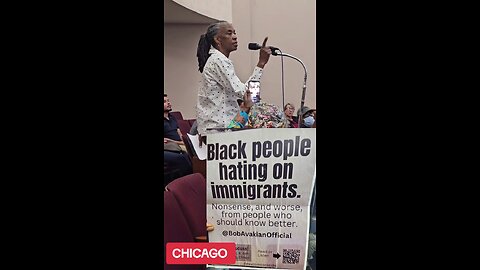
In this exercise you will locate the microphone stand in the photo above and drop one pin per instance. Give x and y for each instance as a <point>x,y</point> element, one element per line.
<point>304,82</point>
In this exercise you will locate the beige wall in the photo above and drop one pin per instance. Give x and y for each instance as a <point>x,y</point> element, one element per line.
<point>181,75</point>
<point>219,9</point>
<point>290,25</point>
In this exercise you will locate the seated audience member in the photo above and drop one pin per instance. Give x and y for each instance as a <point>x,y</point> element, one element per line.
<point>307,117</point>
<point>288,110</point>
<point>171,131</point>
<point>175,156</point>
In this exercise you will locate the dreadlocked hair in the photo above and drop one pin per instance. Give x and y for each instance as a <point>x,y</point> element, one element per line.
<point>206,40</point>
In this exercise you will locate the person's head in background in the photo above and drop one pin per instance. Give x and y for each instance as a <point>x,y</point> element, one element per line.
<point>222,36</point>
<point>167,106</point>
<point>288,109</point>
<point>307,116</point>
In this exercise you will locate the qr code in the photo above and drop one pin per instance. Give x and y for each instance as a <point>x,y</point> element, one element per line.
<point>244,252</point>
<point>291,256</point>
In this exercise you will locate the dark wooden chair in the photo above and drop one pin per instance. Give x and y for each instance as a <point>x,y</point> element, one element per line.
<point>176,229</point>
<point>190,191</point>
<point>178,115</point>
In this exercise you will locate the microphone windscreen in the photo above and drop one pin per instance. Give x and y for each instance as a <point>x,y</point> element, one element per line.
<point>254,46</point>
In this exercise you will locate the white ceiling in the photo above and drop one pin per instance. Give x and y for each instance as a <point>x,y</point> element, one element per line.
<point>175,13</point>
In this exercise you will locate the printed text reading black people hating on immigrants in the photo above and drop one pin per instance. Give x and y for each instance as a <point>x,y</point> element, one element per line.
<point>257,171</point>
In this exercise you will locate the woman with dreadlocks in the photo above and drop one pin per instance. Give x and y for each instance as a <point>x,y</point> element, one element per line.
<point>220,87</point>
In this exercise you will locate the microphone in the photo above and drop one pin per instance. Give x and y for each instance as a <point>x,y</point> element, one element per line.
<point>256,46</point>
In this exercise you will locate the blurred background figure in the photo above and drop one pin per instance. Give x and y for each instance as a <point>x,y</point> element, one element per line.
<point>177,163</point>
<point>307,116</point>
<point>289,109</point>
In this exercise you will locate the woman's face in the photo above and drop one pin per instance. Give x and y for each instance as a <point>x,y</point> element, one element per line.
<point>227,37</point>
<point>289,111</point>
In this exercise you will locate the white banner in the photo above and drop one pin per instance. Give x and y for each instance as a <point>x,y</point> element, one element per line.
<point>259,189</point>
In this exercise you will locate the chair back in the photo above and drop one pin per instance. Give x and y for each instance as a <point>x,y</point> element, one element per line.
<point>184,126</point>
<point>191,194</point>
<point>178,115</point>
<point>175,229</point>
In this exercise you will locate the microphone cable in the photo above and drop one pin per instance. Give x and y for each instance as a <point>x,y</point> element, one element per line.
<point>283,81</point>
